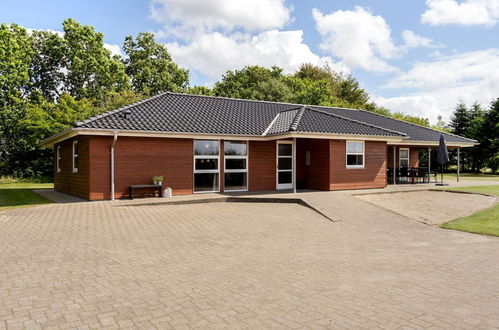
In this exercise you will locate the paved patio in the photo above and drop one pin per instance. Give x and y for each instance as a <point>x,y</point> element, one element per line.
<point>239,265</point>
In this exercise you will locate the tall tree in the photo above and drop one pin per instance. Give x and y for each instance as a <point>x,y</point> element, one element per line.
<point>15,57</point>
<point>151,68</point>
<point>91,70</point>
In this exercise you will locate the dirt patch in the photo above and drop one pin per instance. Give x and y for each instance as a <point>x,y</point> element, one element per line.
<point>432,207</point>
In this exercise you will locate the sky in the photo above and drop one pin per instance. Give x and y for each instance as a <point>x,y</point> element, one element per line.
<point>417,57</point>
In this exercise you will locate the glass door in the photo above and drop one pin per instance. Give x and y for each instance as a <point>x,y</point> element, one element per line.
<point>284,164</point>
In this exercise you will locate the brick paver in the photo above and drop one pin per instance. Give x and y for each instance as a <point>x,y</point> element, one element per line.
<point>103,264</point>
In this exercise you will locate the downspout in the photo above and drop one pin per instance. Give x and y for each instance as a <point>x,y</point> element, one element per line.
<point>115,138</point>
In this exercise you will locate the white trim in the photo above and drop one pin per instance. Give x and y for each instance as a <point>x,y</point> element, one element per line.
<point>408,155</point>
<point>49,142</point>
<point>74,156</point>
<point>277,184</point>
<point>363,154</point>
<point>271,124</point>
<point>432,144</point>
<point>194,171</point>
<point>246,158</point>
<point>58,159</point>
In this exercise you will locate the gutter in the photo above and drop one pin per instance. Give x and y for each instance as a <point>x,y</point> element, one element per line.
<point>115,138</point>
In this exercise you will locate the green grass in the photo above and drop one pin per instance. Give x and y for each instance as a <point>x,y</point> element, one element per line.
<point>485,222</point>
<point>469,176</point>
<point>14,195</point>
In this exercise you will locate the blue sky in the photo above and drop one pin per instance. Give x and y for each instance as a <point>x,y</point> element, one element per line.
<point>418,57</point>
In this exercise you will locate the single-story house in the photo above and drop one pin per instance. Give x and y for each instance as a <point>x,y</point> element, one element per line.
<point>213,144</point>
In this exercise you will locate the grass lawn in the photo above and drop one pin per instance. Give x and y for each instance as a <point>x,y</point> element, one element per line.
<point>14,195</point>
<point>484,222</point>
<point>469,176</point>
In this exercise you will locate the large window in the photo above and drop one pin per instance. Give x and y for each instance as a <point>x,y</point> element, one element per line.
<point>75,156</point>
<point>58,158</point>
<point>404,157</point>
<point>355,154</point>
<point>236,166</point>
<point>206,165</point>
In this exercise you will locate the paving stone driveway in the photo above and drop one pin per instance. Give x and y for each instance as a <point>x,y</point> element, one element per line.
<point>241,266</point>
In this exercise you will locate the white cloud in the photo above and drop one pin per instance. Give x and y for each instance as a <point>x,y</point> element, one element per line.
<point>468,12</point>
<point>114,49</point>
<point>412,40</point>
<point>440,84</point>
<point>194,15</point>
<point>214,53</point>
<point>363,40</point>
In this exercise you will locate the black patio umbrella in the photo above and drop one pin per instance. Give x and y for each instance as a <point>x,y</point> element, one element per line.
<point>442,157</point>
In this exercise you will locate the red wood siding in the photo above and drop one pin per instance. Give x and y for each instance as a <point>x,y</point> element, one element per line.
<point>316,175</point>
<point>262,165</point>
<point>413,156</point>
<point>137,160</point>
<point>372,176</point>
<point>66,181</point>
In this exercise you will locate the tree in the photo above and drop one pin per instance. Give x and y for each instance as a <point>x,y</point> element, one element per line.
<point>47,70</point>
<point>200,90</point>
<point>151,68</point>
<point>15,57</point>
<point>91,70</point>
<point>254,83</point>
<point>490,134</point>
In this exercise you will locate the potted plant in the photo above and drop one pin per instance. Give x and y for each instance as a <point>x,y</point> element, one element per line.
<point>157,180</point>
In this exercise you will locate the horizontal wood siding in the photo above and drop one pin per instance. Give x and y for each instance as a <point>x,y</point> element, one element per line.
<point>66,181</point>
<point>137,160</point>
<point>262,165</point>
<point>372,176</point>
<point>413,156</point>
<point>316,175</point>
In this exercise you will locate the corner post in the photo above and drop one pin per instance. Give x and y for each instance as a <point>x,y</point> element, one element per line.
<point>458,162</point>
<point>429,164</point>
<point>294,165</point>
<point>394,164</point>
<point>115,137</point>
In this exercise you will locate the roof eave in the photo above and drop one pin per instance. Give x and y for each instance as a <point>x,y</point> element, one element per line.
<point>49,142</point>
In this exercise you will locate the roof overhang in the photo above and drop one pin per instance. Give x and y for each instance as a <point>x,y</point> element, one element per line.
<point>434,144</point>
<point>71,132</point>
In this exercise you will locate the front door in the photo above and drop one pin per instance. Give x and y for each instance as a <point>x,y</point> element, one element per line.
<point>284,164</point>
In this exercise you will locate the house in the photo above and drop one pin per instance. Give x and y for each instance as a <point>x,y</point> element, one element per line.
<point>213,144</point>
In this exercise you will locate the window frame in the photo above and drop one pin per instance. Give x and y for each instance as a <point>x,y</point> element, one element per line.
<point>195,171</point>
<point>58,159</point>
<point>363,154</point>
<point>246,158</point>
<point>75,155</point>
<point>404,158</point>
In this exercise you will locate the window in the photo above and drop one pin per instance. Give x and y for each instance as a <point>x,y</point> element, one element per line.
<point>75,156</point>
<point>355,154</point>
<point>206,169</point>
<point>58,159</point>
<point>236,165</point>
<point>404,157</point>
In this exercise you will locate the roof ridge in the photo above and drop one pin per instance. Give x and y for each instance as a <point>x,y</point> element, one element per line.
<point>110,112</point>
<point>296,120</point>
<point>357,121</point>
<point>399,120</point>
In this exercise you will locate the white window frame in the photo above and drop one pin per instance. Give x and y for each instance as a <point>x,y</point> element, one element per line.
<point>58,159</point>
<point>363,153</point>
<point>74,156</point>
<point>204,171</point>
<point>237,171</point>
<point>400,158</point>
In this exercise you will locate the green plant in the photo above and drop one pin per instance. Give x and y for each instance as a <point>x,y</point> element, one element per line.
<point>157,178</point>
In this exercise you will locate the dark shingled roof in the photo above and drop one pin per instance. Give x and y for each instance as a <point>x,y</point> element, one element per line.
<point>185,113</point>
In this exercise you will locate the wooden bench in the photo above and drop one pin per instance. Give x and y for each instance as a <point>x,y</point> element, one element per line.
<point>154,187</point>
